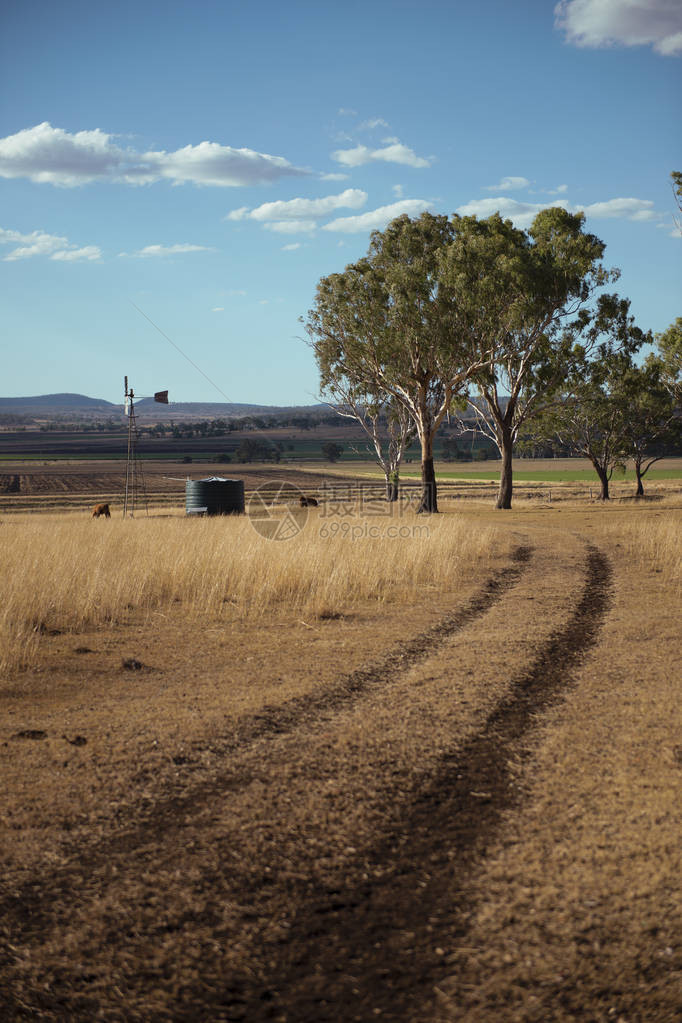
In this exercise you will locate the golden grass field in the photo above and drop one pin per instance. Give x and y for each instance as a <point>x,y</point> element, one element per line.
<point>423,775</point>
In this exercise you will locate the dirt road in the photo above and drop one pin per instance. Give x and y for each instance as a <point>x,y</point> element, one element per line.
<point>314,861</point>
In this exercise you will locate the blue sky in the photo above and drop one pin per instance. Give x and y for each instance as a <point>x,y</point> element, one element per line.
<point>208,162</point>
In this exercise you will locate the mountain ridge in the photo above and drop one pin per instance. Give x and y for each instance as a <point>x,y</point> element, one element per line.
<point>67,402</point>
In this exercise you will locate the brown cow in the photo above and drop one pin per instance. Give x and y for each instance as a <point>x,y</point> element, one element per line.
<point>101,509</point>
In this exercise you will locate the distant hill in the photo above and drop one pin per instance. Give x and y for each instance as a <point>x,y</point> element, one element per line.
<point>48,406</point>
<point>46,403</point>
<point>215,409</point>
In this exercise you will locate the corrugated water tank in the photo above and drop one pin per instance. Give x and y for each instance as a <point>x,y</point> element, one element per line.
<point>214,496</point>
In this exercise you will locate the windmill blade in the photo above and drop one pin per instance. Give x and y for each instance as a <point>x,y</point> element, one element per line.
<point>161,397</point>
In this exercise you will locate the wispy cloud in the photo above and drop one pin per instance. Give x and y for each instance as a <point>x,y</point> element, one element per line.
<point>372,123</point>
<point>168,250</point>
<point>598,23</point>
<point>88,252</point>
<point>392,152</point>
<point>291,226</point>
<point>51,155</point>
<point>301,209</point>
<point>52,246</point>
<point>292,247</point>
<point>218,309</point>
<point>509,184</point>
<point>376,220</point>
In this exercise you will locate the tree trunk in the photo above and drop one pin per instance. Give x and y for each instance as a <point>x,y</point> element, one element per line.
<point>640,485</point>
<point>391,488</point>
<point>429,501</point>
<point>604,481</point>
<point>504,494</point>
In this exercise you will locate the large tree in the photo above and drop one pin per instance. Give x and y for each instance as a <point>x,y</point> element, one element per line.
<point>523,296</point>
<point>388,325</point>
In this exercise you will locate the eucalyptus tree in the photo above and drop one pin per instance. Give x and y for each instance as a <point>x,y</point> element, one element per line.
<point>387,325</point>
<point>676,177</point>
<point>651,427</point>
<point>386,424</point>
<point>595,414</point>
<point>523,296</point>
<point>669,344</point>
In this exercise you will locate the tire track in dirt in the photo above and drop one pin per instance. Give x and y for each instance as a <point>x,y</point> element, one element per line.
<point>31,905</point>
<point>373,951</point>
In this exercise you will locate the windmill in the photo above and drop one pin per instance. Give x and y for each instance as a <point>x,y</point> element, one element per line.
<point>135,491</point>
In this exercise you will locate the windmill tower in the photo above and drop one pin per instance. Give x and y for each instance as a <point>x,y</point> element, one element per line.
<point>135,490</point>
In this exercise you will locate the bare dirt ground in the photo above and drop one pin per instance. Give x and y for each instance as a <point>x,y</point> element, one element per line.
<point>461,809</point>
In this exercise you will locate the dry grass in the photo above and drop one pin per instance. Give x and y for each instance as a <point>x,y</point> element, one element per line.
<point>66,573</point>
<point>656,544</point>
<point>574,907</point>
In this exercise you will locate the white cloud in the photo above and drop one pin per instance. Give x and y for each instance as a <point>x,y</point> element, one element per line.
<point>393,152</point>
<point>629,209</point>
<point>88,252</point>
<point>559,190</point>
<point>522,214</point>
<point>168,250</point>
<point>292,247</point>
<point>292,226</point>
<point>51,155</point>
<point>302,209</point>
<point>212,164</point>
<point>39,243</point>
<point>595,23</point>
<point>375,220</point>
<point>509,185</point>
<point>347,112</point>
<point>398,191</point>
<point>334,177</point>
<point>218,309</point>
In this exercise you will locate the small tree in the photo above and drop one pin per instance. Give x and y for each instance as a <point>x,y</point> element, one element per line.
<point>386,424</point>
<point>331,451</point>
<point>650,427</point>
<point>595,416</point>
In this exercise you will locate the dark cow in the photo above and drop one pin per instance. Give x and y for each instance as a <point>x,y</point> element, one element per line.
<point>308,502</point>
<point>101,509</point>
